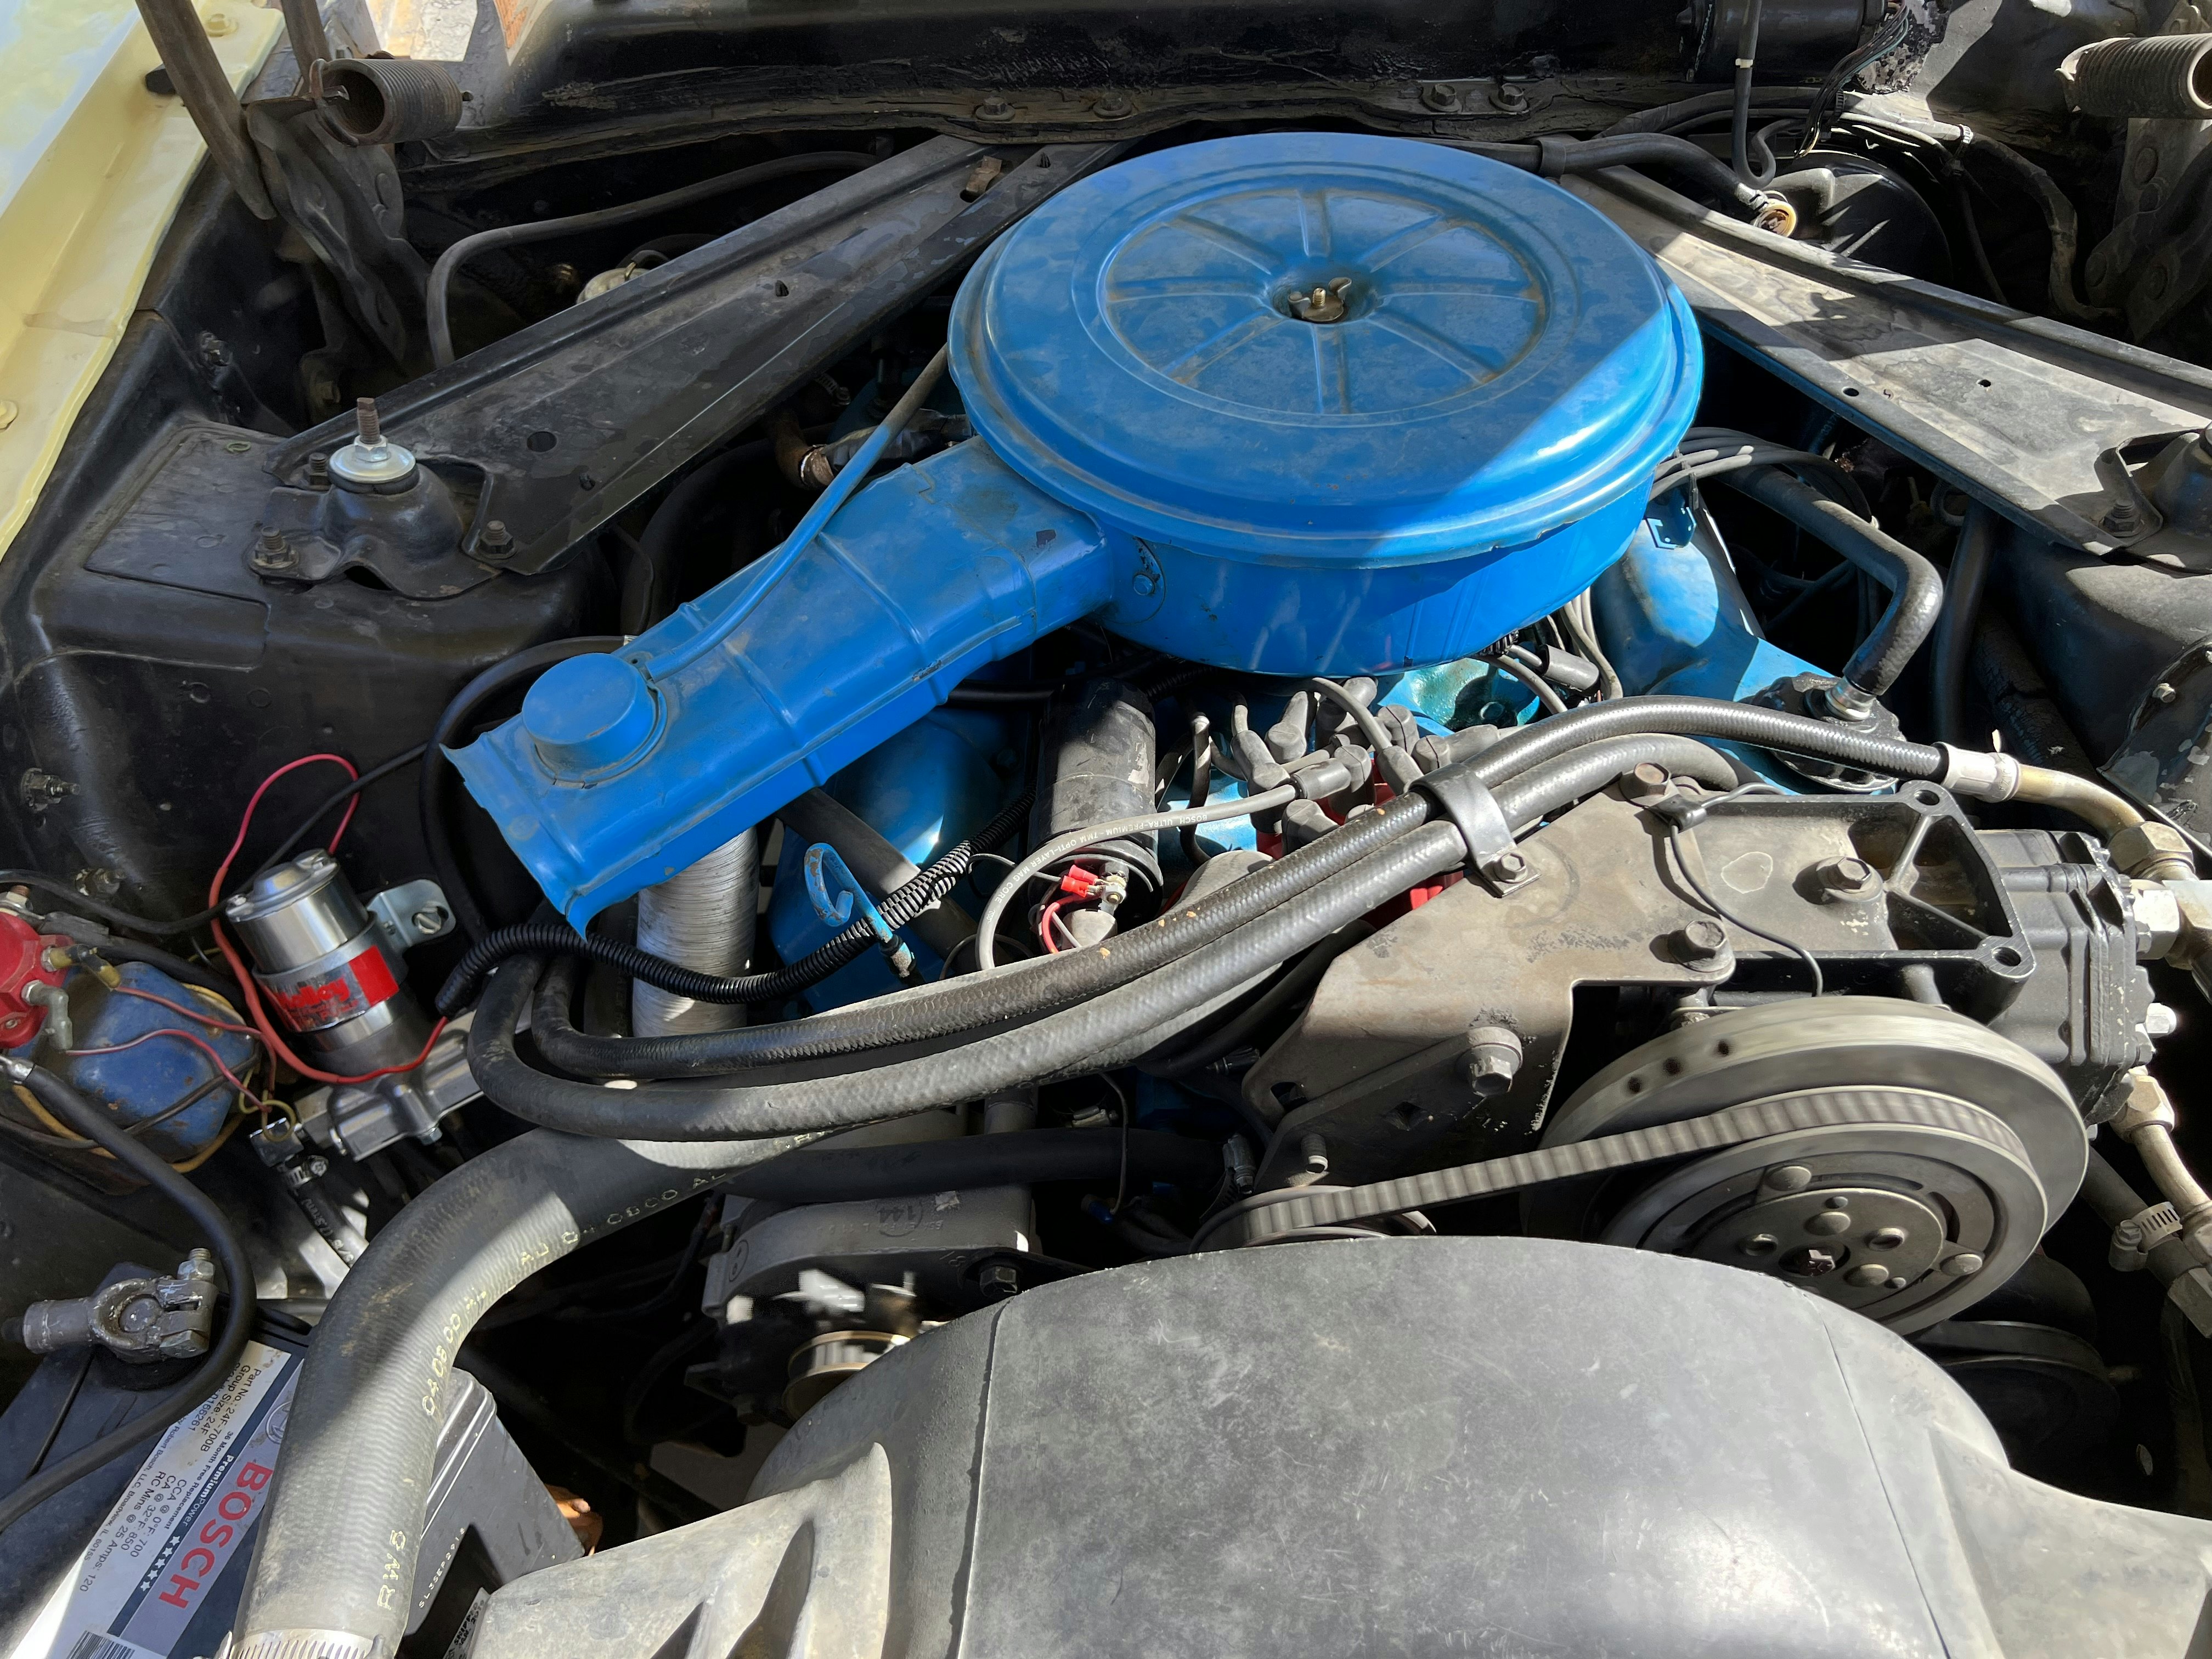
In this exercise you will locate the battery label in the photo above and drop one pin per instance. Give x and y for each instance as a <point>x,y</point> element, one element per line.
<point>167,1548</point>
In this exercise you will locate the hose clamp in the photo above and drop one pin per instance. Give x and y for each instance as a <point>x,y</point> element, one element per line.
<point>305,1644</point>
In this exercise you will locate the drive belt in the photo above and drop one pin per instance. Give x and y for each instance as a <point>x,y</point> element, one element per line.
<point>1269,1215</point>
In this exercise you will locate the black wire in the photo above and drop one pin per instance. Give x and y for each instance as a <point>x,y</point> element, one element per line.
<point>900,907</point>
<point>84,904</point>
<point>375,774</point>
<point>1677,835</point>
<point>61,1415</point>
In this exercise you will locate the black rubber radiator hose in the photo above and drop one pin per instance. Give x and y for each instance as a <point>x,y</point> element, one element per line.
<point>337,1556</point>
<point>1035,987</point>
<point>1011,1058</point>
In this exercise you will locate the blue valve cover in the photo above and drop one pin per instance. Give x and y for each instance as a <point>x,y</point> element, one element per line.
<point>1507,362</point>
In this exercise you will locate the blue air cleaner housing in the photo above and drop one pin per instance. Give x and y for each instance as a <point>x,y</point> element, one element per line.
<point>1462,449</point>
<point>1291,403</point>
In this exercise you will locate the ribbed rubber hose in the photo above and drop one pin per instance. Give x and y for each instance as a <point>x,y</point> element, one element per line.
<point>942,875</point>
<point>345,1517</point>
<point>95,1123</point>
<point>1046,1048</point>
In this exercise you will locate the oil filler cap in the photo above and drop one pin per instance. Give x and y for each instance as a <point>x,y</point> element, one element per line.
<point>1332,348</point>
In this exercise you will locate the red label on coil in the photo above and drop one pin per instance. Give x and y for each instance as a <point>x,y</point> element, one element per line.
<point>310,1002</point>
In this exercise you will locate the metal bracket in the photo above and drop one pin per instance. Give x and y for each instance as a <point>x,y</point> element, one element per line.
<point>835,892</point>
<point>408,914</point>
<point>1474,811</point>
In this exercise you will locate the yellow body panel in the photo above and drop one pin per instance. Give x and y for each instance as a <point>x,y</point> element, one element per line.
<point>92,168</point>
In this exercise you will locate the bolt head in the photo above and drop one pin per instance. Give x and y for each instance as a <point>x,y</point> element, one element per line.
<point>1505,867</point>
<point>1829,1222</point>
<point>1789,1178</point>
<point>427,921</point>
<point>1868,1275</point>
<point>2161,1021</point>
<point>1701,943</point>
<point>1886,1238</point>
<point>1759,1244</point>
<point>1847,879</point>
<point>1962,1264</point>
<point>1438,96</point>
<point>999,1279</point>
<point>2162,692</point>
<point>1646,784</point>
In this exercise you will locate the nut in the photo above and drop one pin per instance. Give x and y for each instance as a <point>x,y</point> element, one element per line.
<point>1810,1262</point>
<point>2158,918</point>
<point>2144,1106</point>
<point>1438,96</point>
<point>2154,849</point>
<point>272,552</point>
<point>999,1279</point>
<point>1492,1061</point>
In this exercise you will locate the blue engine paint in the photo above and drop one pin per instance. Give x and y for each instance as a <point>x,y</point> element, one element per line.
<point>1163,447</point>
<point>1674,619</point>
<point>147,1080</point>
<point>922,790</point>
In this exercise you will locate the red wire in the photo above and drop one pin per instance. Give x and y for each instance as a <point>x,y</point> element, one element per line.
<point>1044,925</point>
<point>246,980</point>
<point>200,1014</point>
<point>229,1076</point>
<point>247,822</point>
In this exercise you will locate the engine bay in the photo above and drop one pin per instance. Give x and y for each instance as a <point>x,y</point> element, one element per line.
<point>929,830</point>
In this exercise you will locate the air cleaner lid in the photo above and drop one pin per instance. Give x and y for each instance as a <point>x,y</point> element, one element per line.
<point>1325,346</point>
